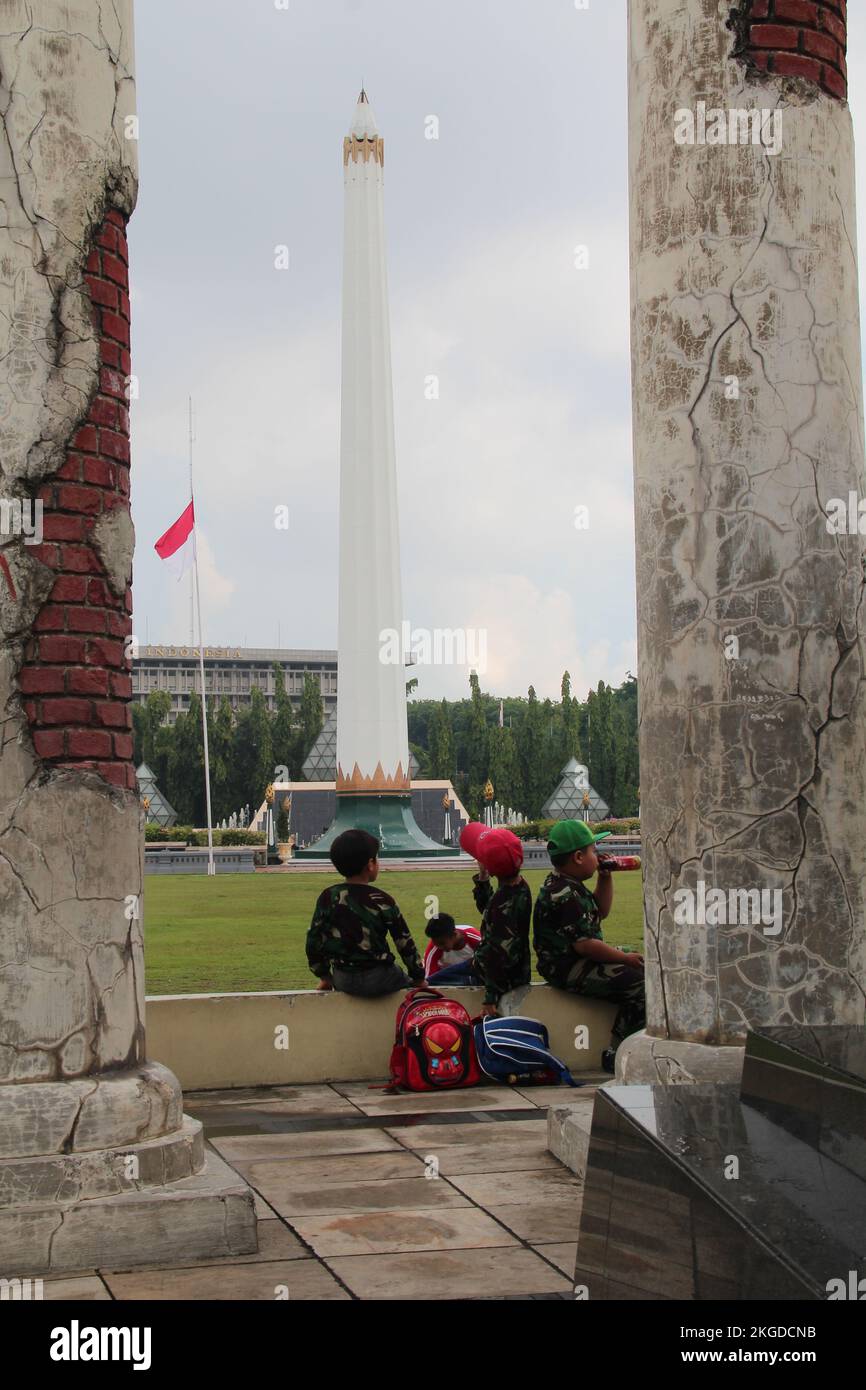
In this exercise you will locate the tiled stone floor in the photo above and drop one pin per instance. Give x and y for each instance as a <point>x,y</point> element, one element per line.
<point>364,1195</point>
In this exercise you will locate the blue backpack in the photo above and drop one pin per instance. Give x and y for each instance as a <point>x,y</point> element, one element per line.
<point>517,1050</point>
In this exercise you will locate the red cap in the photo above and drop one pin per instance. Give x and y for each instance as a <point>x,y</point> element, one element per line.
<point>470,835</point>
<point>500,851</point>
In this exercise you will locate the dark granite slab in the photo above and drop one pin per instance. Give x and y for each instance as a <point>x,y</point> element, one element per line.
<point>812,1083</point>
<point>661,1220</point>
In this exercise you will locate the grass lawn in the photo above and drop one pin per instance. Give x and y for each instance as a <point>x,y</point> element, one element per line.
<point>240,932</point>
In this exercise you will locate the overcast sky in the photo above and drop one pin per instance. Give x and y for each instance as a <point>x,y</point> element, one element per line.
<point>243,110</point>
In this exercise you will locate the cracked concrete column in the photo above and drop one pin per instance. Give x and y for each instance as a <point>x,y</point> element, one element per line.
<point>748,434</point>
<point>98,1164</point>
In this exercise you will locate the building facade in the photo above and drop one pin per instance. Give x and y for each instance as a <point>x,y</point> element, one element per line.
<point>231,673</point>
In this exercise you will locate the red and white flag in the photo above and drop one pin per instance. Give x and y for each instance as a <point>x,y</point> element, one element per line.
<point>177,545</point>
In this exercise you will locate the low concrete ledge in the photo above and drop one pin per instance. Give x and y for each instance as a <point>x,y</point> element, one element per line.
<point>216,1041</point>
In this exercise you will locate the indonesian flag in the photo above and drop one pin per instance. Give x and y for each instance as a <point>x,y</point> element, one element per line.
<point>177,546</point>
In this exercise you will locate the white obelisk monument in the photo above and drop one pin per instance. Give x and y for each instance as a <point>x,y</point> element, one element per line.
<point>373,788</point>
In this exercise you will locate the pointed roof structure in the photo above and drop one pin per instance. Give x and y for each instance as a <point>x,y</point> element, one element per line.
<point>320,764</point>
<point>363,125</point>
<point>159,811</point>
<point>567,801</point>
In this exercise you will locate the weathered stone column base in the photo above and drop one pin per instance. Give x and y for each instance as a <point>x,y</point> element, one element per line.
<point>643,1060</point>
<point>208,1215</point>
<point>106,1171</point>
<point>77,1177</point>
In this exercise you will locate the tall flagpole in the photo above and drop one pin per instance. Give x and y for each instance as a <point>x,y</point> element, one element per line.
<point>210,863</point>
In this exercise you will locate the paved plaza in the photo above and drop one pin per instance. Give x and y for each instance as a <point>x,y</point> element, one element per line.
<point>348,1207</point>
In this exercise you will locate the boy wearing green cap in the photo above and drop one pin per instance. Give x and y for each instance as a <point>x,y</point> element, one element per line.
<point>567,933</point>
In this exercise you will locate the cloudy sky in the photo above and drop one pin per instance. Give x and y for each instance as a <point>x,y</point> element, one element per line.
<point>243,109</point>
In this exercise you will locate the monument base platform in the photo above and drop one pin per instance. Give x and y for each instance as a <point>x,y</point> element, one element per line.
<point>106,1171</point>
<point>206,1216</point>
<point>390,819</point>
<point>746,1192</point>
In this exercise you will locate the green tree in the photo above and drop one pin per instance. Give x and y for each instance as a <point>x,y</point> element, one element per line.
<point>505,767</point>
<point>311,719</point>
<point>139,725</point>
<point>570,721</point>
<point>220,735</point>
<point>252,753</point>
<point>477,747</point>
<point>601,749</point>
<point>185,779</point>
<point>422,758</point>
<point>530,752</point>
<point>283,729</point>
<point>147,720</point>
<point>625,741</point>
<point>441,744</point>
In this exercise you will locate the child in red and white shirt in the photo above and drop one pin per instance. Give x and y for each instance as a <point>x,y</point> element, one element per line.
<point>448,959</point>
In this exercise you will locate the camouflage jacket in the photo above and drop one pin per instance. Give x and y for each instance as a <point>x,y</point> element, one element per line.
<point>502,960</point>
<point>565,912</point>
<point>350,930</point>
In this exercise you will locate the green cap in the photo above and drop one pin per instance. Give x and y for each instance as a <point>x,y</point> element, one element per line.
<point>569,835</point>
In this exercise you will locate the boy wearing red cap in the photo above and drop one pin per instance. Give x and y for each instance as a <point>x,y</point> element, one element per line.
<point>502,961</point>
<point>567,933</point>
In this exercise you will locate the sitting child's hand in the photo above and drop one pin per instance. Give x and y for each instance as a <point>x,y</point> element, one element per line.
<point>489,1011</point>
<point>325,984</point>
<point>634,960</point>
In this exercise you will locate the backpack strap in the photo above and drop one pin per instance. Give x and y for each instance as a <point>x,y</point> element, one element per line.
<point>422,990</point>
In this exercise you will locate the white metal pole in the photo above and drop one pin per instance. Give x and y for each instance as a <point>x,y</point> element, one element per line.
<point>210,860</point>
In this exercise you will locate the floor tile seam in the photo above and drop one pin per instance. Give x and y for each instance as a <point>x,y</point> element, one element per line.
<point>424,1116</point>
<point>332,1087</point>
<point>501,1173</point>
<point>79,1274</point>
<point>517,1243</point>
<point>477,1174</point>
<point>356,1298</point>
<point>524,1241</point>
<point>440,1177</point>
<point>279,1217</point>
<point>539,1250</point>
<point>242,1262</point>
<point>425,1250</point>
<point>464,1205</point>
<point>479,1207</point>
<point>303,1158</point>
<point>323,1188</point>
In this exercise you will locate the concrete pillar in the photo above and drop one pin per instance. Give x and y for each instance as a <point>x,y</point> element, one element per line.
<point>748,437</point>
<point>97,1162</point>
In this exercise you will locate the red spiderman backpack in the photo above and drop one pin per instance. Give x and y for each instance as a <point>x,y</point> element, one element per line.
<point>434,1049</point>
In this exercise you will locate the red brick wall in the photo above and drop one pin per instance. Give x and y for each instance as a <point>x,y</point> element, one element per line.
<point>798,38</point>
<point>74,682</point>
